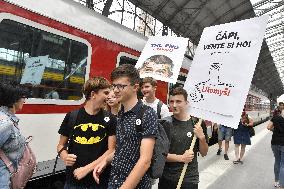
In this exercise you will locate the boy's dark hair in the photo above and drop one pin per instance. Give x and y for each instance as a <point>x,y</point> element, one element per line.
<point>150,80</point>
<point>95,84</point>
<point>10,93</point>
<point>126,70</point>
<point>179,91</point>
<point>281,103</point>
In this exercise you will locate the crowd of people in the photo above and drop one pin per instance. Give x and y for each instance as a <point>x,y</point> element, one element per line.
<point>102,149</point>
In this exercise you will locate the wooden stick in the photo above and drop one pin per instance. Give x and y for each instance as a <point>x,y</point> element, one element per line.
<point>186,164</point>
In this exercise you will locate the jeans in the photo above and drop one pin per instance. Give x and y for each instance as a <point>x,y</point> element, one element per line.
<point>168,184</point>
<point>70,186</point>
<point>4,176</point>
<point>278,152</point>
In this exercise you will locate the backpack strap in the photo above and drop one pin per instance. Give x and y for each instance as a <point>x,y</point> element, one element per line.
<point>71,122</point>
<point>167,123</point>
<point>140,117</point>
<point>159,109</point>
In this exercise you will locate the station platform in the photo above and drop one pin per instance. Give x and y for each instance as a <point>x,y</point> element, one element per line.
<point>255,173</point>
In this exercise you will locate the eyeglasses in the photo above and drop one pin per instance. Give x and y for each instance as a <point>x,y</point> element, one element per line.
<point>118,86</point>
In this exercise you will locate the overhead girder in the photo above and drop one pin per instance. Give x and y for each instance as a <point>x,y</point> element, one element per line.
<point>279,4</point>
<point>179,9</point>
<point>160,7</point>
<point>106,8</point>
<point>275,26</point>
<point>236,7</point>
<point>190,16</point>
<point>273,35</point>
<point>261,3</point>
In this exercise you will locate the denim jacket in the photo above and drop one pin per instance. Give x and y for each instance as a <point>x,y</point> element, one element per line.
<point>11,141</point>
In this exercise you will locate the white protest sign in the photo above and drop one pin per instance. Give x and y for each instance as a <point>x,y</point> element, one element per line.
<point>222,70</point>
<point>162,57</point>
<point>34,70</point>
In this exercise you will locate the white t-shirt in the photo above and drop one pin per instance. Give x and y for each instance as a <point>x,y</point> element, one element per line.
<point>164,109</point>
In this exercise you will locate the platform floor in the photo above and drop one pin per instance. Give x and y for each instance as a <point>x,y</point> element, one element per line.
<point>255,173</point>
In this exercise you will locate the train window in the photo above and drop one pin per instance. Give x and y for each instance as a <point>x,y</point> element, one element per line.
<point>50,65</point>
<point>125,58</point>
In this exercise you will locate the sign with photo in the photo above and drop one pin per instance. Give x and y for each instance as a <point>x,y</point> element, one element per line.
<point>222,70</point>
<point>162,58</point>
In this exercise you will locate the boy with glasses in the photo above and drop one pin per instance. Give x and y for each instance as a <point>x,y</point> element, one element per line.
<point>134,150</point>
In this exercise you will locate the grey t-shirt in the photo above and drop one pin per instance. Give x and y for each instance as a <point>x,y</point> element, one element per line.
<point>180,135</point>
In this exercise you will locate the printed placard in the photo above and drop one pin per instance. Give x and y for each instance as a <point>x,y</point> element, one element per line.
<point>34,70</point>
<point>222,70</point>
<point>162,58</point>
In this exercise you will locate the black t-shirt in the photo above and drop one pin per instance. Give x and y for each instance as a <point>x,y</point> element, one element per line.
<point>89,142</point>
<point>278,131</point>
<point>180,135</point>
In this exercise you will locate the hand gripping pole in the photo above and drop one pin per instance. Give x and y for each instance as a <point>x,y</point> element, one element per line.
<point>186,164</point>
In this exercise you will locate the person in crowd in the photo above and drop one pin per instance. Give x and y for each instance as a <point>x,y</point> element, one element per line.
<point>224,133</point>
<point>181,132</point>
<point>12,142</point>
<point>278,110</point>
<point>242,137</point>
<point>112,103</point>
<point>160,65</point>
<point>276,125</point>
<point>133,152</point>
<point>148,88</point>
<point>91,138</point>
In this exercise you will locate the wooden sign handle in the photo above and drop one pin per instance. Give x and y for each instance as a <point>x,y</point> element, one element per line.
<point>186,164</point>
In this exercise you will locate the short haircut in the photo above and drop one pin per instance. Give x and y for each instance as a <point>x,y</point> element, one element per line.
<point>126,70</point>
<point>150,80</point>
<point>281,103</point>
<point>95,84</point>
<point>179,91</point>
<point>10,93</point>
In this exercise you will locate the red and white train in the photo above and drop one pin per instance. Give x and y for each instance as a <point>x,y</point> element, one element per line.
<point>68,38</point>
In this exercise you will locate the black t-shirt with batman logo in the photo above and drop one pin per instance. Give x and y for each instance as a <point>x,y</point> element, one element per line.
<point>89,142</point>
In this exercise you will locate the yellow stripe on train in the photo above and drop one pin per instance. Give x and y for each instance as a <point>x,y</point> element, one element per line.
<point>10,70</point>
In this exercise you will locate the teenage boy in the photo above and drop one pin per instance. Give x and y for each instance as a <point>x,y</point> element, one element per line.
<point>148,89</point>
<point>181,133</point>
<point>92,138</point>
<point>134,150</point>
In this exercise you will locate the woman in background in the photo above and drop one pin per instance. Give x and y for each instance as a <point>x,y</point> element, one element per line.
<point>242,137</point>
<point>276,125</point>
<point>12,142</point>
<point>113,105</point>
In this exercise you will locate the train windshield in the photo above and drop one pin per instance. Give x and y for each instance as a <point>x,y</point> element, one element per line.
<point>50,65</point>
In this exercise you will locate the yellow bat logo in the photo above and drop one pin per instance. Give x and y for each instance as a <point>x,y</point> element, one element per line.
<point>85,128</point>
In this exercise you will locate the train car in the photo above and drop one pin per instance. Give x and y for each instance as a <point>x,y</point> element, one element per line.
<point>73,43</point>
<point>257,106</point>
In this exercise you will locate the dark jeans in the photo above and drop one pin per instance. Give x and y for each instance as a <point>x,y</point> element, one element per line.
<point>278,152</point>
<point>70,186</point>
<point>168,184</point>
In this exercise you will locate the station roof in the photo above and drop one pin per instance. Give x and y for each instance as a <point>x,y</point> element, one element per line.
<point>188,18</point>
